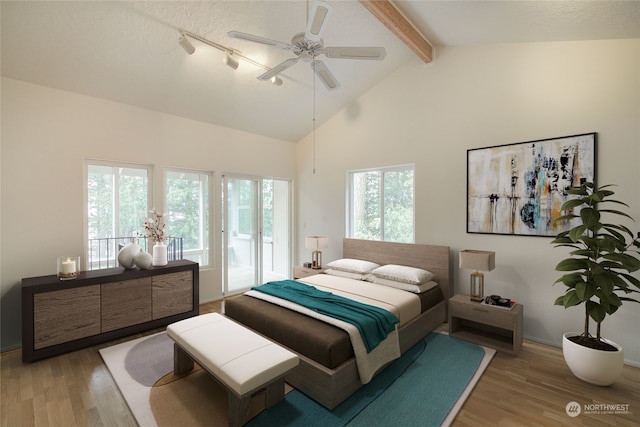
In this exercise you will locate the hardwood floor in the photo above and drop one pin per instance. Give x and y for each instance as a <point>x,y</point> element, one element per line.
<point>533,389</point>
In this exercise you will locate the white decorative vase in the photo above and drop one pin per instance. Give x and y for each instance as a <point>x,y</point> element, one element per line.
<point>126,254</point>
<point>143,260</point>
<point>593,366</point>
<point>159,254</point>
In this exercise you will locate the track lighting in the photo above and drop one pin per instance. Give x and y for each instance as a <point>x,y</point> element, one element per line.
<point>230,61</point>
<point>186,44</point>
<point>231,56</point>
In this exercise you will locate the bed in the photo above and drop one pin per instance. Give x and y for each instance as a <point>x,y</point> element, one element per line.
<point>328,372</point>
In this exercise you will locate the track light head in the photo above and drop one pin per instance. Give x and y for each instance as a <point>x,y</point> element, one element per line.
<point>186,44</point>
<point>276,80</point>
<point>230,61</point>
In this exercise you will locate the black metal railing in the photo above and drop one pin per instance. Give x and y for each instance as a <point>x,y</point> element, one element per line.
<point>103,252</point>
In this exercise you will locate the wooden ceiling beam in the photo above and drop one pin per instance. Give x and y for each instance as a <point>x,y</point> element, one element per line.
<point>399,25</point>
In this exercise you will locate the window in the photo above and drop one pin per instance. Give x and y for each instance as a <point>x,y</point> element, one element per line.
<point>187,212</point>
<point>118,199</point>
<point>381,204</point>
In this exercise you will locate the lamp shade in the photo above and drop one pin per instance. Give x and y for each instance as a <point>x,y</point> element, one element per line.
<point>316,242</point>
<point>477,260</point>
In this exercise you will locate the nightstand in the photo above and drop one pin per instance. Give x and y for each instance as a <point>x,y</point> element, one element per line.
<point>300,272</point>
<point>493,327</point>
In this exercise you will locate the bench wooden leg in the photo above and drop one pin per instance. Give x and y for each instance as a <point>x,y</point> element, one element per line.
<point>240,406</point>
<point>239,409</point>
<point>274,392</point>
<point>182,362</point>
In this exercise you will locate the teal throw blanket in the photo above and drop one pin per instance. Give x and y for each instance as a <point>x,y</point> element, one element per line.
<point>374,323</point>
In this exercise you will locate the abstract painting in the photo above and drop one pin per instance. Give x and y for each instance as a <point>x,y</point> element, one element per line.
<point>518,188</point>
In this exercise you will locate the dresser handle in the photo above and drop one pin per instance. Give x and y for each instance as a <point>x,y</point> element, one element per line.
<point>480,309</point>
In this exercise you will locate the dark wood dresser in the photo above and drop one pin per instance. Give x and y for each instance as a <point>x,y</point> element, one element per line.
<point>102,305</point>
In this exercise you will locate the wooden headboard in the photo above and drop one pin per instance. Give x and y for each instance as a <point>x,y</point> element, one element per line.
<point>436,259</point>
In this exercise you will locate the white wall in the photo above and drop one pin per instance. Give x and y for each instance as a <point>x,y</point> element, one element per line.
<point>475,97</point>
<point>47,133</point>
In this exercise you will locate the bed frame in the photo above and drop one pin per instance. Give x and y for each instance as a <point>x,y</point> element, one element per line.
<point>330,387</point>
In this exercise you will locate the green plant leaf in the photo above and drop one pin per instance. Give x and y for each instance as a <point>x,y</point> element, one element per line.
<point>590,217</point>
<point>596,311</point>
<point>585,290</point>
<point>572,264</point>
<point>571,299</point>
<point>570,204</point>
<point>628,262</point>
<point>577,232</point>
<point>570,280</point>
<point>631,279</point>
<point>604,283</point>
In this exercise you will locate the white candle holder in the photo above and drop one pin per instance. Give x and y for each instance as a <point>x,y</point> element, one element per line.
<point>68,267</point>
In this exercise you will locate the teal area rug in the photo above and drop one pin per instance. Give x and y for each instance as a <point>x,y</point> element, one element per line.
<point>425,387</point>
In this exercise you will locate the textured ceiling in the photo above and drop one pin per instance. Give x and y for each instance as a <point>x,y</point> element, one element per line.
<point>128,51</point>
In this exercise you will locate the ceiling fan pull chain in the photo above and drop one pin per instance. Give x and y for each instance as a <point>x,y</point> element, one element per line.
<point>314,123</point>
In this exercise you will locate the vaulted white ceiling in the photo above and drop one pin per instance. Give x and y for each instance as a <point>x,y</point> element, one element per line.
<point>127,51</point>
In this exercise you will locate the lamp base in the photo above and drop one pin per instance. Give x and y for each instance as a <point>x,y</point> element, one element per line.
<point>476,290</point>
<point>316,260</point>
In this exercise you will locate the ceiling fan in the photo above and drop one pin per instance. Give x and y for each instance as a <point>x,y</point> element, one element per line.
<point>308,45</point>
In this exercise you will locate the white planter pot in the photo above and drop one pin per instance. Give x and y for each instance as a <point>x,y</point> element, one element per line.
<point>593,366</point>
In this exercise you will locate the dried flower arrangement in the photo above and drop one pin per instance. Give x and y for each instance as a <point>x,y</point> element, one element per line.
<point>154,226</point>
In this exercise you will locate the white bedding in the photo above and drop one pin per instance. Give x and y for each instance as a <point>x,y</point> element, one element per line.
<point>403,304</point>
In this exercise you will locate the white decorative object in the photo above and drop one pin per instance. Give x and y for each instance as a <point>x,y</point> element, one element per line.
<point>68,267</point>
<point>126,254</point>
<point>597,367</point>
<point>143,260</point>
<point>159,254</point>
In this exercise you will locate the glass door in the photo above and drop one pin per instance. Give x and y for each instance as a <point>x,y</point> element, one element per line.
<point>256,231</point>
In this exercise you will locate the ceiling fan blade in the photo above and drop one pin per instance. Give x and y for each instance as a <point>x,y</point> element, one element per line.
<point>258,39</point>
<point>278,69</point>
<point>319,16</point>
<point>325,75</point>
<point>355,52</point>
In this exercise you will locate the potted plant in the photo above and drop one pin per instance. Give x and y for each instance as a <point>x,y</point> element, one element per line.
<point>598,275</point>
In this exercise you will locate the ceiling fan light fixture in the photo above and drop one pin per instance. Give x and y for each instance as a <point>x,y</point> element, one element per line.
<point>230,61</point>
<point>276,80</point>
<point>186,44</point>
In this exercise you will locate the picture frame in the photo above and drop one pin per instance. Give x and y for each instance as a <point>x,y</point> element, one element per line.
<point>517,189</point>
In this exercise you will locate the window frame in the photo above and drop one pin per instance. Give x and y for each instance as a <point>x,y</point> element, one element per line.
<point>210,206</point>
<point>349,215</point>
<point>88,162</point>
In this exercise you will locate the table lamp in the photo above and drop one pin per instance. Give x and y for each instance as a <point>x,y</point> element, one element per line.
<point>315,243</point>
<point>478,261</point>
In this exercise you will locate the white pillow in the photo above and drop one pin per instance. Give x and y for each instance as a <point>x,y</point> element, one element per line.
<point>403,273</point>
<point>347,274</point>
<point>418,289</point>
<point>353,265</point>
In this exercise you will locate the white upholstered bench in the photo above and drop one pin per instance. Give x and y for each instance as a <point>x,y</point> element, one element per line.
<point>244,362</point>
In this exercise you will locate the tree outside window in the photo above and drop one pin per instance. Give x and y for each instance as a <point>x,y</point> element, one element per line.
<point>187,212</point>
<point>382,204</point>
<point>117,204</point>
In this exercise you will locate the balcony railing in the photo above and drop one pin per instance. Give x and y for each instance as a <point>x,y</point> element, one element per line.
<point>103,252</point>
